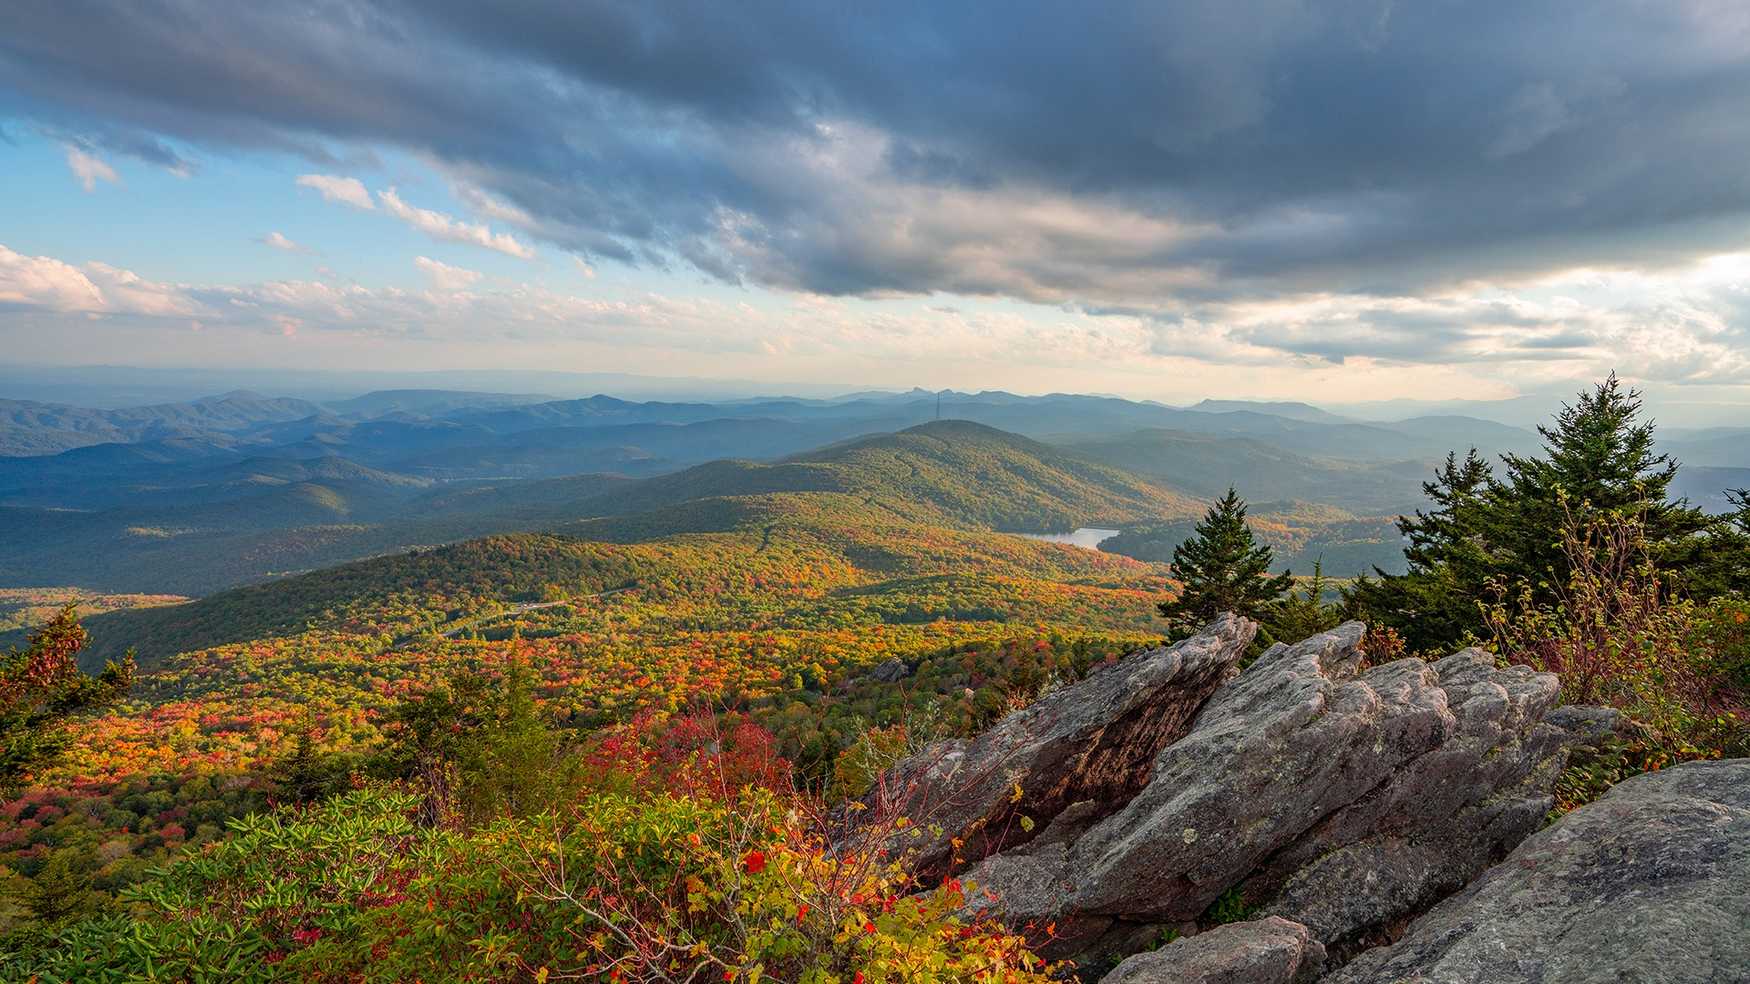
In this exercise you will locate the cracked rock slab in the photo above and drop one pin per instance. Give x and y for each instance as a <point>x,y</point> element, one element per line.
<point>1344,797</point>
<point>1266,951</point>
<point>1649,883</point>
<point>1090,745</point>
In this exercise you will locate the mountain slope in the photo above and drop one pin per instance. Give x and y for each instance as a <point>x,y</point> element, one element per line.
<point>948,471</point>
<point>1206,465</point>
<point>922,501</point>
<point>1719,447</point>
<point>1291,410</point>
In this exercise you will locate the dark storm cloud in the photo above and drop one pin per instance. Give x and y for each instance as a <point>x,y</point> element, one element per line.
<point>1109,153</point>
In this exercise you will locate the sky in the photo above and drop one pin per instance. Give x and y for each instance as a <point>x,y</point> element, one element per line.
<point>1342,200</point>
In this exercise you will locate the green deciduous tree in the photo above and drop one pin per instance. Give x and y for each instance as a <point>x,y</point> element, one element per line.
<point>1222,568</point>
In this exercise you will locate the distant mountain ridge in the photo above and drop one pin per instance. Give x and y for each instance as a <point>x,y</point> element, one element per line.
<point>227,489</point>
<point>1206,465</point>
<point>1291,410</point>
<point>377,426</point>
<point>45,428</point>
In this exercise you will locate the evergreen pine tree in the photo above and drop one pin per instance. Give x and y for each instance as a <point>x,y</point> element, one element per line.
<point>1222,568</point>
<point>1305,613</point>
<point>1724,564</point>
<point>1598,459</point>
<point>1487,534</point>
<point>1450,560</point>
<point>302,777</point>
<point>62,890</point>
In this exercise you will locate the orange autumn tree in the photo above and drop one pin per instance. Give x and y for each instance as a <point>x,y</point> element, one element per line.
<point>40,687</point>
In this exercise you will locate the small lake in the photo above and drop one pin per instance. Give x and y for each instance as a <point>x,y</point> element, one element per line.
<point>1088,536</point>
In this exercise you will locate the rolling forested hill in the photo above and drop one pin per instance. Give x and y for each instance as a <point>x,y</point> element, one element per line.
<point>949,471</point>
<point>769,587</point>
<point>198,497</point>
<point>873,505</point>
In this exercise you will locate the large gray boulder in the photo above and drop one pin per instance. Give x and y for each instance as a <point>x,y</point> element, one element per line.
<point>1266,951</point>
<point>1091,743</point>
<point>1651,883</point>
<point>1343,798</point>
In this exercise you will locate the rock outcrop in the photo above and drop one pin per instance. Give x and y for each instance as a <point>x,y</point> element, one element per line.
<point>890,671</point>
<point>1266,951</point>
<point>1345,798</point>
<point>1090,745</point>
<point>1649,883</point>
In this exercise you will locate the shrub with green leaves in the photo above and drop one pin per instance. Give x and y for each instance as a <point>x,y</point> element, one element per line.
<point>624,888</point>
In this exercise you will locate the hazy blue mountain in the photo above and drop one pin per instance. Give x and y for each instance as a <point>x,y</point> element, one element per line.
<point>1456,433</point>
<point>1706,486</point>
<point>194,495</point>
<point>1206,465</point>
<point>427,402</point>
<point>1293,411</point>
<point>1718,447</point>
<point>45,428</point>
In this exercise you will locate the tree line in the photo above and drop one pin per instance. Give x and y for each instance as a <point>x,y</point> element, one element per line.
<point>1577,560</point>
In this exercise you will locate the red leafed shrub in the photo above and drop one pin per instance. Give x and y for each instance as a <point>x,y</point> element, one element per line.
<point>1618,635</point>
<point>699,754</point>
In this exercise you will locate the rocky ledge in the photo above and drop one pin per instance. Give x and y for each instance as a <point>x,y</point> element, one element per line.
<point>1649,883</point>
<point>1168,794</point>
<point>1343,797</point>
<point>1089,746</point>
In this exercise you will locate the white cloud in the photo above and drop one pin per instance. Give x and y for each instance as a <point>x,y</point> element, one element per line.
<point>45,282</point>
<point>1016,240</point>
<point>126,292</point>
<point>583,268</point>
<point>48,284</point>
<point>347,191</point>
<point>279,241</point>
<point>89,168</point>
<point>440,226</point>
<point>352,191</point>
<point>1688,325</point>
<point>446,277</point>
